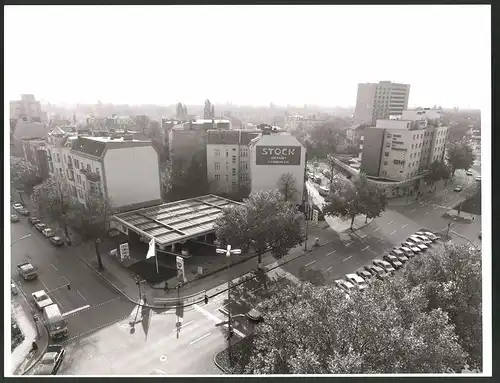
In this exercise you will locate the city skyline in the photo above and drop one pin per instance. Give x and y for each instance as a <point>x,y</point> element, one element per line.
<point>447,66</point>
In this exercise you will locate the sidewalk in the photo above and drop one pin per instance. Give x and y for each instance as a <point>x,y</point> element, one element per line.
<point>23,359</point>
<point>123,281</point>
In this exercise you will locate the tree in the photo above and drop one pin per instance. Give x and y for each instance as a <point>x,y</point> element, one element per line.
<point>267,223</point>
<point>438,171</point>
<point>23,175</point>
<point>387,329</point>
<point>287,185</point>
<point>459,155</point>
<point>53,199</point>
<point>312,275</point>
<point>188,178</point>
<point>92,220</point>
<point>330,160</point>
<point>165,182</point>
<point>374,199</point>
<point>451,280</point>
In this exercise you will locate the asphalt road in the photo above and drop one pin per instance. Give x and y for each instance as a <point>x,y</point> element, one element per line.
<point>90,304</point>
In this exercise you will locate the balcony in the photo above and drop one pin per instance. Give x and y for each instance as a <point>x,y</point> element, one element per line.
<point>91,176</point>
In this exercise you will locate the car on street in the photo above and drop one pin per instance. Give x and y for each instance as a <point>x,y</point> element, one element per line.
<point>458,188</point>
<point>385,265</point>
<point>48,232</point>
<point>357,281</point>
<point>468,172</point>
<point>417,242</point>
<point>324,191</point>
<point>14,218</point>
<point>378,272</point>
<point>478,179</point>
<point>429,235</point>
<point>33,220</point>
<point>480,235</point>
<point>393,260</point>
<point>17,206</point>
<point>40,226</point>
<point>56,241</point>
<point>51,361</point>
<point>423,238</point>
<point>366,275</point>
<point>41,299</point>
<point>255,314</point>
<point>23,211</point>
<point>347,287</point>
<point>412,247</point>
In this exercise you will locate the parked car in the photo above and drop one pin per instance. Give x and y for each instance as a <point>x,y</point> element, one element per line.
<point>41,299</point>
<point>429,235</point>
<point>14,218</point>
<point>56,241</point>
<point>254,314</point>
<point>51,361</point>
<point>23,211</point>
<point>480,235</point>
<point>347,287</point>
<point>407,253</point>
<point>468,172</point>
<point>17,206</point>
<point>458,188</point>
<point>33,220</point>
<point>357,281</point>
<point>417,242</point>
<point>366,275</point>
<point>13,287</point>
<point>385,265</point>
<point>40,226</point>
<point>478,179</point>
<point>393,260</point>
<point>412,247</point>
<point>377,272</point>
<point>424,239</point>
<point>396,252</point>
<point>48,233</point>
<point>324,191</point>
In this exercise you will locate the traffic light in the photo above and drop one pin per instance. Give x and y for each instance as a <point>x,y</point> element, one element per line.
<point>206,299</point>
<point>68,286</point>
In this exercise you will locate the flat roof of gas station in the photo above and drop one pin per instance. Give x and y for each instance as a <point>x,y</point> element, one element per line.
<point>178,221</point>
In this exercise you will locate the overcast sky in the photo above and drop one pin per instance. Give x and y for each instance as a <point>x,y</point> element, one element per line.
<point>246,54</point>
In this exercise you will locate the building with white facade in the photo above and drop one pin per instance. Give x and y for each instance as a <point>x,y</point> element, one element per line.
<point>380,101</point>
<point>28,109</point>
<point>272,155</point>
<point>228,166</point>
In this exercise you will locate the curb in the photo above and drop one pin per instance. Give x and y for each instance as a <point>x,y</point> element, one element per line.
<point>219,366</point>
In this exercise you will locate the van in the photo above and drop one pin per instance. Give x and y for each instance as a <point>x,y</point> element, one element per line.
<point>54,321</point>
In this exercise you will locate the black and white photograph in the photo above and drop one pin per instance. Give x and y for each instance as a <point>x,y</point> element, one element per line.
<point>248,190</point>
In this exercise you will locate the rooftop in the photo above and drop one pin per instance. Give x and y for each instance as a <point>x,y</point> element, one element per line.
<point>230,137</point>
<point>29,130</point>
<point>96,146</point>
<point>174,222</point>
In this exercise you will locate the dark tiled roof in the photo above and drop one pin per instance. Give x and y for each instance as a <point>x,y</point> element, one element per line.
<point>88,146</point>
<point>230,137</point>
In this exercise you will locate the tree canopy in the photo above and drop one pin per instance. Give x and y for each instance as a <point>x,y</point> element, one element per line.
<point>23,174</point>
<point>459,155</point>
<point>188,179</point>
<point>386,329</point>
<point>438,170</point>
<point>264,221</point>
<point>287,185</point>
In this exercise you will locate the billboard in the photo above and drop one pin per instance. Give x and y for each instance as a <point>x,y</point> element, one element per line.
<point>278,155</point>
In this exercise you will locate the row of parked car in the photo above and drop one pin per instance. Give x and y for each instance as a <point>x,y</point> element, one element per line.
<point>37,223</point>
<point>383,268</point>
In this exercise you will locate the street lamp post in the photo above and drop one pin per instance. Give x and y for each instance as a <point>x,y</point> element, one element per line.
<point>228,251</point>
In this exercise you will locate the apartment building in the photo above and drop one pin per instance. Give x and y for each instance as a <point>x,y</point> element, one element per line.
<point>228,166</point>
<point>422,114</point>
<point>401,149</point>
<point>380,101</point>
<point>27,109</point>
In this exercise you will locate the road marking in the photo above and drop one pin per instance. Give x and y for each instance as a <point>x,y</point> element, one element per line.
<point>76,310</point>
<point>380,240</point>
<point>405,226</point>
<point>331,252</point>
<point>111,300</point>
<point>182,325</point>
<point>215,319</point>
<point>363,236</point>
<point>55,268</point>
<point>79,293</point>
<point>329,268</point>
<point>377,229</point>
<point>412,210</point>
<point>47,289</point>
<point>309,264</point>
<point>345,259</point>
<point>257,289</point>
<point>200,338</point>
<point>223,311</point>
<point>392,232</point>
<point>348,243</point>
<point>390,223</point>
<point>363,249</point>
<point>426,213</point>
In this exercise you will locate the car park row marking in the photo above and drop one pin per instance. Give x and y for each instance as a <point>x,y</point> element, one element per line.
<point>95,329</point>
<point>377,229</point>
<point>364,248</point>
<point>426,213</point>
<point>348,244</point>
<point>390,222</point>
<point>79,293</point>
<point>309,264</point>
<point>405,226</point>
<point>412,210</point>
<point>363,236</point>
<point>200,338</point>
<point>345,259</point>
<point>55,268</point>
<point>380,240</point>
<point>331,252</point>
<point>328,269</point>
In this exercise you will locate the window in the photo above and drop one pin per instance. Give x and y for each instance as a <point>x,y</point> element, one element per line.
<point>234,149</point>
<point>217,178</point>
<point>80,193</point>
<point>386,154</point>
<point>234,172</point>
<point>97,171</point>
<point>234,159</point>
<point>227,153</point>
<point>388,145</point>
<point>79,178</point>
<point>77,164</point>
<point>385,162</point>
<point>244,152</point>
<point>234,184</point>
<point>58,157</point>
<point>244,166</point>
<point>227,178</point>
<point>88,168</point>
<point>217,166</point>
<point>61,172</point>
<point>216,152</point>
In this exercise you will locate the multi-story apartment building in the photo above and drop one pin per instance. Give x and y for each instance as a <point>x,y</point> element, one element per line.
<point>121,168</point>
<point>28,109</point>
<point>380,101</point>
<point>401,149</point>
<point>228,166</point>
